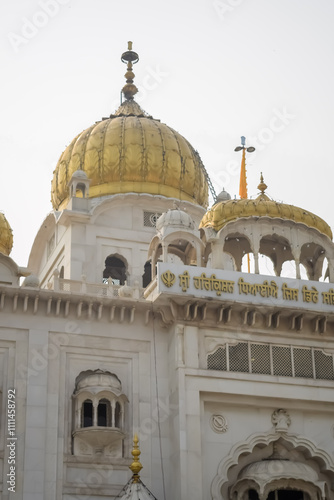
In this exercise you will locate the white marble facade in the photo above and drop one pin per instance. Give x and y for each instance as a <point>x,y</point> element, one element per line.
<point>129,319</point>
<point>207,425</point>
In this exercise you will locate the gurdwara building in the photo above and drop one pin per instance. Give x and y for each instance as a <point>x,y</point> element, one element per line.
<point>136,315</point>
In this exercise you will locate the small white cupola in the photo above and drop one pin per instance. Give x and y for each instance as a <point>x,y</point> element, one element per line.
<point>177,240</point>
<point>79,185</point>
<point>78,188</point>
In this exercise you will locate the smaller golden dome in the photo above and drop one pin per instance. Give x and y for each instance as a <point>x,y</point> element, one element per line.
<point>6,235</point>
<point>230,210</point>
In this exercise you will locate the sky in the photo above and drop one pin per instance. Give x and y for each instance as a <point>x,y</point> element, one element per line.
<point>213,70</point>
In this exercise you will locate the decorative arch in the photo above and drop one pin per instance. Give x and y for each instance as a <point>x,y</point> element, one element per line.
<point>237,244</point>
<point>78,190</point>
<point>116,269</point>
<point>277,248</point>
<point>312,257</point>
<point>278,239</point>
<point>185,245</point>
<point>243,454</point>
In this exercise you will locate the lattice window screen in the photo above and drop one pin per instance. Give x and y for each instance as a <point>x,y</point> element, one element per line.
<point>323,365</point>
<point>150,218</point>
<point>282,361</point>
<point>302,360</point>
<point>217,360</point>
<point>238,357</point>
<point>260,359</point>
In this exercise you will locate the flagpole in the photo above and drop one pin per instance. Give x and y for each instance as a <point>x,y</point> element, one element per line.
<point>243,176</point>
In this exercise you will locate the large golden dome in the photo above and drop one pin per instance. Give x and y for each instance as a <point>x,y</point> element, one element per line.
<point>6,235</point>
<point>226,211</point>
<point>132,152</point>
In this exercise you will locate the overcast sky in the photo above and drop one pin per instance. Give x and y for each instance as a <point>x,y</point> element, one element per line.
<point>211,69</point>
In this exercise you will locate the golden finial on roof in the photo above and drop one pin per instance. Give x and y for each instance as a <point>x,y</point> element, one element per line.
<point>129,57</point>
<point>262,186</point>
<point>136,466</point>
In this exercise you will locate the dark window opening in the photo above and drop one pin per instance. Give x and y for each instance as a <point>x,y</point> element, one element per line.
<point>147,276</point>
<point>286,495</point>
<point>103,413</point>
<point>118,415</point>
<point>115,269</point>
<point>87,414</point>
<point>252,495</point>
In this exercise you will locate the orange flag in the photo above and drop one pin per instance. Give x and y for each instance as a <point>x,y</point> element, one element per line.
<point>243,181</point>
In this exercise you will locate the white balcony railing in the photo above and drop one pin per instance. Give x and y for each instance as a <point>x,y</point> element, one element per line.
<point>100,289</point>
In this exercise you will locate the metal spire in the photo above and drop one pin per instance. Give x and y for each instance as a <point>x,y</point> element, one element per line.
<point>136,466</point>
<point>129,57</point>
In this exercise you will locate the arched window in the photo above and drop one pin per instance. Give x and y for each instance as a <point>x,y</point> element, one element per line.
<point>61,273</point>
<point>80,191</point>
<point>87,413</point>
<point>115,269</point>
<point>104,413</point>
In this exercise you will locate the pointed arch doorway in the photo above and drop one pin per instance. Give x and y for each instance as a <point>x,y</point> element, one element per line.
<point>276,478</point>
<point>273,467</point>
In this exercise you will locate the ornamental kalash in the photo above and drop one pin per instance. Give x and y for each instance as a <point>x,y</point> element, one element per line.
<point>144,313</point>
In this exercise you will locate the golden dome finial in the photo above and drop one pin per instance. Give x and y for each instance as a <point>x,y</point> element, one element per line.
<point>136,466</point>
<point>262,186</point>
<point>129,57</point>
<point>6,235</point>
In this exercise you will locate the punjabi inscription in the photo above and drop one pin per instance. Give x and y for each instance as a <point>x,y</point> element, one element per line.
<point>328,297</point>
<point>310,295</point>
<point>289,293</point>
<point>211,284</point>
<point>266,289</point>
